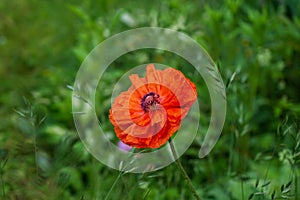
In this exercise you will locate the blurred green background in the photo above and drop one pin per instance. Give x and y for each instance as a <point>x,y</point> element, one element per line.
<point>256,45</point>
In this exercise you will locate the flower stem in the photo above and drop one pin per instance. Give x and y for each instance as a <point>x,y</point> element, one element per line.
<point>185,175</point>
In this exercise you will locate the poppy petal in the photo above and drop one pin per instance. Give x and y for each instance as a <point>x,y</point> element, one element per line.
<point>151,110</point>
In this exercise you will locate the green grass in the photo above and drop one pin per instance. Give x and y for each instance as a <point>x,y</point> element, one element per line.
<point>256,45</point>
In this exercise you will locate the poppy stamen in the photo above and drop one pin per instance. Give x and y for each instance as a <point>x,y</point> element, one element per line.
<point>149,101</point>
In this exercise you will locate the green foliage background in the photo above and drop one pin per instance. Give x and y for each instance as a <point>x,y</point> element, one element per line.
<point>256,45</point>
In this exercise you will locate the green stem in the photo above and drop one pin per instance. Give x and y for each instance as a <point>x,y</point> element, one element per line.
<point>113,185</point>
<point>36,155</point>
<point>2,183</point>
<point>1,177</point>
<point>185,175</point>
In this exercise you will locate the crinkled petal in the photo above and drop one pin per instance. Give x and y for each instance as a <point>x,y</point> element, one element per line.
<point>151,129</point>
<point>138,84</point>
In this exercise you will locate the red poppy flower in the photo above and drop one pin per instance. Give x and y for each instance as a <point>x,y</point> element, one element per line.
<point>151,110</point>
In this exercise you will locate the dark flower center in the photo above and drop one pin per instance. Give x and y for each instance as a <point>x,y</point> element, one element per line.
<point>149,100</point>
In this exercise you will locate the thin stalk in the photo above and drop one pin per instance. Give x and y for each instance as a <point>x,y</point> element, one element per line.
<point>185,175</point>
<point>296,184</point>
<point>36,154</point>
<point>242,188</point>
<point>113,185</point>
<point>1,177</point>
<point>2,183</point>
